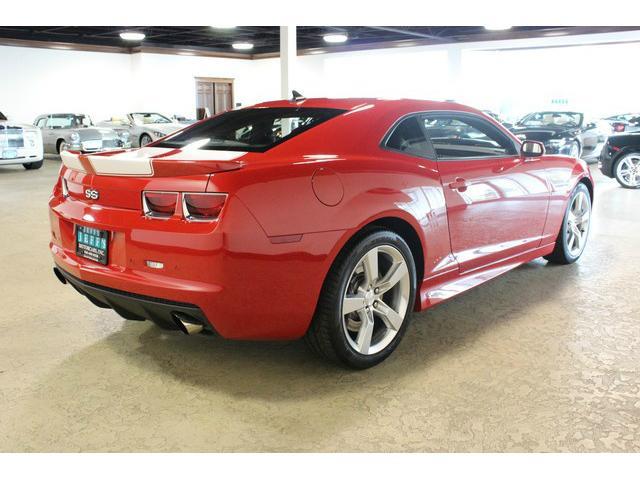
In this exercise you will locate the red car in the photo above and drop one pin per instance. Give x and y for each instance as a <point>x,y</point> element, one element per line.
<point>325,219</point>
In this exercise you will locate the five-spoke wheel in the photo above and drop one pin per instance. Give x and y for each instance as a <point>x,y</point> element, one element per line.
<point>627,170</point>
<point>366,301</point>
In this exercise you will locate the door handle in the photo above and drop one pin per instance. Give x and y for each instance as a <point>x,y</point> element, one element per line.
<point>460,184</point>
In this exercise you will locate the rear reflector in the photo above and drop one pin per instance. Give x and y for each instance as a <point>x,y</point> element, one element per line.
<point>159,204</point>
<point>202,207</point>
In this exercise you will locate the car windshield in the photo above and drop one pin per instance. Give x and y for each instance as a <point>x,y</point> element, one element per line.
<point>552,119</point>
<point>251,130</point>
<point>69,121</point>
<point>148,118</point>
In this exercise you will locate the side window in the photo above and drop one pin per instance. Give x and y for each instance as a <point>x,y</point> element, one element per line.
<point>41,121</point>
<point>408,137</point>
<point>455,137</point>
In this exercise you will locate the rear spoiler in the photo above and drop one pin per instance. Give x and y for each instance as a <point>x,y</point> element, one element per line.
<point>153,162</point>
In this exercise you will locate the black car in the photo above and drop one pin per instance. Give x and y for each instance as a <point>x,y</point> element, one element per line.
<point>560,132</point>
<point>627,122</point>
<point>620,159</point>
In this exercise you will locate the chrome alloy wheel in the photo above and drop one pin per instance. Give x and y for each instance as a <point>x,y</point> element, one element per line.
<point>376,299</point>
<point>577,226</point>
<point>628,170</point>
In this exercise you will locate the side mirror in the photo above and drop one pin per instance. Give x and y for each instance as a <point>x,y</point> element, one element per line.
<point>531,149</point>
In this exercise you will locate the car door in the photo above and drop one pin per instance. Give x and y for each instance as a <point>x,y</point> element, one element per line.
<point>496,200</point>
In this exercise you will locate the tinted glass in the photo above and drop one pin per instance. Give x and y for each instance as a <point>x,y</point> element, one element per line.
<point>252,130</point>
<point>409,138</point>
<point>465,137</point>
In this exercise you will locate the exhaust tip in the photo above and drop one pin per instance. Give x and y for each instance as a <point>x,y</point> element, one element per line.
<point>59,275</point>
<point>186,324</point>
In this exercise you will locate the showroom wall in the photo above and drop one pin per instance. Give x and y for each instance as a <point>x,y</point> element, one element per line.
<point>510,77</point>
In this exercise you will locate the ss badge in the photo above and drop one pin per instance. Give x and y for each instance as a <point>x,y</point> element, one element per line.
<point>91,194</point>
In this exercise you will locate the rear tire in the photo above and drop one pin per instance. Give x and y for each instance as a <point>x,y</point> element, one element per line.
<point>33,165</point>
<point>574,231</point>
<point>373,280</point>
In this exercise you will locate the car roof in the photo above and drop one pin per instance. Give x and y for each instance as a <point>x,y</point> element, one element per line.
<point>381,105</point>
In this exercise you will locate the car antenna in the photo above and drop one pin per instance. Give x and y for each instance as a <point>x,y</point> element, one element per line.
<point>297,96</point>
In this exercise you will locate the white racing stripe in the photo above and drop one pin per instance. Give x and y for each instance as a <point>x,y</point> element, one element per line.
<point>139,162</point>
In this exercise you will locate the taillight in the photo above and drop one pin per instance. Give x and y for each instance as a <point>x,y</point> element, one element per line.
<point>159,204</point>
<point>202,207</point>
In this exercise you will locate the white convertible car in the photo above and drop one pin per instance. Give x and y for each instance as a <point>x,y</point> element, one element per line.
<point>20,144</point>
<point>143,127</point>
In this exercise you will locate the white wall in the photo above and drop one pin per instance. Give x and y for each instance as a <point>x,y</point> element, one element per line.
<point>598,79</point>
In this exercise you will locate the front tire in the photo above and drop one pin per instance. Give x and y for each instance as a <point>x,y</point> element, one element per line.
<point>366,301</point>
<point>33,165</point>
<point>627,170</point>
<point>145,140</point>
<point>574,232</point>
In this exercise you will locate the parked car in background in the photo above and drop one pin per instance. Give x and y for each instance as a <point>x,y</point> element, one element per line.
<point>20,144</point>
<point>73,131</point>
<point>620,159</point>
<point>627,122</point>
<point>143,127</point>
<point>497,118</point>
<point>566,133</point>
<point>329,219</point>
<point>183,120</point>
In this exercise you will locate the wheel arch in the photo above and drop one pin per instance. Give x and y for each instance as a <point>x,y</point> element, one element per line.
<point>589,184</point>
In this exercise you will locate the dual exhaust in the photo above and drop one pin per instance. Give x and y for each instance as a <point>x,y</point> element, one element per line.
<point>185,323</point>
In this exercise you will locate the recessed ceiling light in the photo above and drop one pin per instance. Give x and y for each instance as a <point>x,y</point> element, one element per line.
<point>242,46</point>
<point>335,37</point>
<point>497,27</point>
<point>223,28</point>
<point>132,36</point>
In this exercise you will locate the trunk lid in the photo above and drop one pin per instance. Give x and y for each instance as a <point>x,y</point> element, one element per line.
<point>117,179</point>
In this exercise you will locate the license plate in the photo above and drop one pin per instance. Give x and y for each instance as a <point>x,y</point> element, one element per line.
<point>92,144</point>
<point>92,243</point>
<point>7,154</point>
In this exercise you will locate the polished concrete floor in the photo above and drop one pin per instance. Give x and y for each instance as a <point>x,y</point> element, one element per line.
<point>544,358</point>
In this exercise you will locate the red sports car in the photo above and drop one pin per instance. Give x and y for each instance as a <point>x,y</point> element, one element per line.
<point>325,219</point>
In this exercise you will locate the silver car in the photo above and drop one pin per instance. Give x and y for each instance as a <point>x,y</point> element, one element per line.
<point>20,144</point>
<point>143,127</point>
<point>73,131</point>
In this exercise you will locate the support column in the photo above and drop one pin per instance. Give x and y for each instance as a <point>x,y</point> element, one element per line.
<point>288,52</point>
<point>455,72</point>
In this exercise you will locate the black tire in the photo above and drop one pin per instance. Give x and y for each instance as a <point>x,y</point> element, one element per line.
<point>33,165</point>
<point>616,174</point>
<point>326,335</point>
<point>59,146</point>
<point>145,137</point>
<point>561,254</point>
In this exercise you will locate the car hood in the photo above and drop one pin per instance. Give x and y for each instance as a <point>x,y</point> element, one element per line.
<point>544,134</point>
<point>9,124</point>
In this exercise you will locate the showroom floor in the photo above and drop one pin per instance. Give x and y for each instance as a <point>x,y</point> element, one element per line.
<point>544,358</point>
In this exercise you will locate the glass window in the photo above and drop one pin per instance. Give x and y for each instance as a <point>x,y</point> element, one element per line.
<point>552,119</point>
<point>41,121</point>
<point>251,130</point>
<point>409,138</point>
<point>460,136</point>
<point>149,118</point>
<point>68,121</point>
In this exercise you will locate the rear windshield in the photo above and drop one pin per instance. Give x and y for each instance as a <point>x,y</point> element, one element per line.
<point>250,130</point>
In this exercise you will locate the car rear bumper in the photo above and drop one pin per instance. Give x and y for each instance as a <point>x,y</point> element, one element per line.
<point>243,284</point>
<point>162,312</point>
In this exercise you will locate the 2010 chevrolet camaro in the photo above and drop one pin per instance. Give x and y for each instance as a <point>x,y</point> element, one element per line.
<point>328,219</point>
